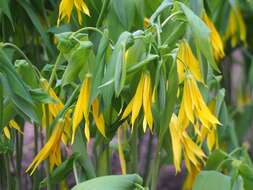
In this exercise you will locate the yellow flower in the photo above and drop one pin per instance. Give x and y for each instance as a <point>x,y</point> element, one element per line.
<point>193,107</point>
<point>236,29</point>
<point>188,183</point>
<point>181,142</point>
<point>187,61</point>
<point>14,125</point>
<point>98,117</point>
<point>143,96</point>
<point>66,8</point>
<point>50,150</point>
<point>146,22</point>
<point>210,133</point>
<point>216,41</point>
<point>82,109</point>
<point>54,109</point>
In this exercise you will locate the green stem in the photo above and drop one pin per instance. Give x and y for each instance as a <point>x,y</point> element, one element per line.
<point>156,163</point>
<point>102,13</point>
<point>134,150</point>
<point>1,104</point>
<point>53,74</point>
<point>148,159</point>
<point>49,187</point>
<point>7,170</point>
<point>18,162</point>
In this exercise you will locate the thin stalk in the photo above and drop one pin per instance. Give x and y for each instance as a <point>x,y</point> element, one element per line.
<point>148,159</point>
<point>134,148</point>
<point>7,170</point>
<point>18,162</point>
<point>102,13</point>
<point>49,187</point>
<point>35,153</point>
<point>1,104</point>
<point>57,62</point>
<point>156,163</point>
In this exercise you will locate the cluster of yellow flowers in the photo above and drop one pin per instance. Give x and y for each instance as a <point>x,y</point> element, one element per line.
<point>193,111</point>
<point>143,96</point>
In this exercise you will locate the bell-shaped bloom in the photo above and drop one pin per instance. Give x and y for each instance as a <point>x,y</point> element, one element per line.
<point>186,61</point>
<point>12,124</point>
<point>236,28</point>
<point>142,97</point>
<point>50,150</point>
<point>182,143</point>
<point>216,40</point>
<point>53,110</point>
<point>82,109</point>
<point>66,8</point>
<point>193,106</point>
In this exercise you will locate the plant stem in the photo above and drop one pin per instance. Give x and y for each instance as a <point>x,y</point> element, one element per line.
<point>148,159</point>
<point>134,148</point>
<point>1,104</point>
<point>7,170</point>
<point>47,162</point>
<point>57,62</point>
<point>102,13</point>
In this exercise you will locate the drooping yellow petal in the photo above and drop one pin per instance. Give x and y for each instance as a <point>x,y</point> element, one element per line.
<point>176,142</point>
<point>54,108</point>
<point>137,100</point>
<point>128,109</point>
<point>50,149</point>
<point>216,40</point>
<point>236,28</point>
<point>98,117</point>
<point>14,125</point>
<point>66,8</point>
<point>81,108</point>
<point>7,132</point>
<point>187,61</point>
<point>147,100</point>
<point>188,183</point>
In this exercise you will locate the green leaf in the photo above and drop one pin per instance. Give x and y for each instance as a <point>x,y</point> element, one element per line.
<point>27,73</point>
<point>201,35</point>
<point>215,159</point>
<point>38,25</point>
<point>78,60</point>
<point>210,180</point>
<point>61,172</point>
<point>113,182</point>
<point>171,96</point>
<point>164,5</point>
<point>39,95</point>
<point>125,11</point>
<point>112,71</point>
<point>4,6</point>
<point>79,147</point>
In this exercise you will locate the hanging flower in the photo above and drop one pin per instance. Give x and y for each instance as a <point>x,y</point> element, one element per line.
<point>187,61</point>
<point>66,8</point>
<point>82,109</point>
<point>142,97</point>
<point>193,107</point>
<point>53,110</point>
<point>181,142</point>
<point>12,124</point>
<point>210,133</point>
<point>98,116</point>
<point>216,41</point>
<point>236,28</point>
<point>50,150</point>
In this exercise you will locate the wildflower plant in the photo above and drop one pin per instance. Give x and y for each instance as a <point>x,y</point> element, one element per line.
<point>94,78</point>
